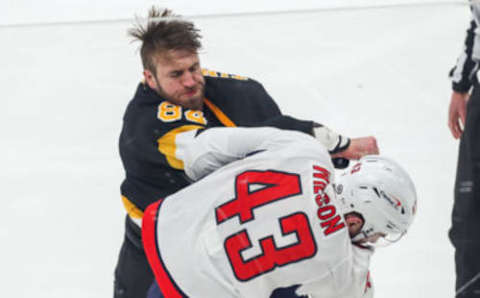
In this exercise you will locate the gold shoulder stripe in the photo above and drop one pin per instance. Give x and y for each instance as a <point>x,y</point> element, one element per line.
<point>219,114</point>
<point>217,74</point>
<point>209,73</point>
<point>237,77</point>
<point>132,210</point>
<point>168,146</point>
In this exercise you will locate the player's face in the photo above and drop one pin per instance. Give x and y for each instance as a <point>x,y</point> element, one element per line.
<point>178,78</point>
<point>354,223</point>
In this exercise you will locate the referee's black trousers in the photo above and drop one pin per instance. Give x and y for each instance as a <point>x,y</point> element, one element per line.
<point>465,231</point>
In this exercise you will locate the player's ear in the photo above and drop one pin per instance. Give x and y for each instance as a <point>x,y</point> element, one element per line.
<point>150,79</point>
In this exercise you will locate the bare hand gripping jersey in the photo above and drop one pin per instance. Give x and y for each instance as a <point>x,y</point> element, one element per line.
<point>265,219</point>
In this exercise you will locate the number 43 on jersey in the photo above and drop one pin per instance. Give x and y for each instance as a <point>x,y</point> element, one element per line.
<point>278,186</point>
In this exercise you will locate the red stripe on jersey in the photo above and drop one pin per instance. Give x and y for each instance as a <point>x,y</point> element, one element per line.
<point>149,237</point>
<point>368,284</point>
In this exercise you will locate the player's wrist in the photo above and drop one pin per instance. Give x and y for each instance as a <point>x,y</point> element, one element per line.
<point>333,141</point>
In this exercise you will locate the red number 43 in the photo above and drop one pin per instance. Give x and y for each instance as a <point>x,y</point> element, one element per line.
<point>276,186</point>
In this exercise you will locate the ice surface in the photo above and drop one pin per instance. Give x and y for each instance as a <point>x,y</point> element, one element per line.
<point>379,72</point>
<point>32,11</point>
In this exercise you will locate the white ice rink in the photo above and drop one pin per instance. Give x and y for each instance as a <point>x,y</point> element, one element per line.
<point>64,88</point>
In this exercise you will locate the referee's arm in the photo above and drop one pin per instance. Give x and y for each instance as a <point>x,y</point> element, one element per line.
<point>461,74</point>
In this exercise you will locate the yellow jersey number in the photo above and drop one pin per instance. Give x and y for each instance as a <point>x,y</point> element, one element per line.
<point>168,112</point>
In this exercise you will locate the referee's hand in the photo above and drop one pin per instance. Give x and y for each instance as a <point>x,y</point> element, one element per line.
<point>457,112</point>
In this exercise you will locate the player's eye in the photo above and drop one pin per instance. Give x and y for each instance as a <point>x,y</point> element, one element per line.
<point>194,67</point>
<point>175,74</point>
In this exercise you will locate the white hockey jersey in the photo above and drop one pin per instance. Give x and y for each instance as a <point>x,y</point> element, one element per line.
<point>266,218</point>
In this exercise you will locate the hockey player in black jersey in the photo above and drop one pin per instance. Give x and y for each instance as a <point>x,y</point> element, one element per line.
<point>177,100</point>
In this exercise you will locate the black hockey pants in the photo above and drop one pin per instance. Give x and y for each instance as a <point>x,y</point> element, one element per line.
<point>133,276</point>
<point>465,230</point>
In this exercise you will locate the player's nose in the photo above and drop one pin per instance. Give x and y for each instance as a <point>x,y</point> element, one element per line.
<point>189,80</point>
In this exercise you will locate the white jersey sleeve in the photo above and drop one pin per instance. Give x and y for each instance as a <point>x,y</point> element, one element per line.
<point>216,147</point>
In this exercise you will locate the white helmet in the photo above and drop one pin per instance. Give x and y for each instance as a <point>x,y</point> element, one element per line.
<point>382,193</point>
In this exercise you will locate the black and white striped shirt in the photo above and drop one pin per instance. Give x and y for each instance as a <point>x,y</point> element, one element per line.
<point>467,64</point>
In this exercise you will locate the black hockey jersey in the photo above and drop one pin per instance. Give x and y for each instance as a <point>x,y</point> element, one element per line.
<point>151,125</point>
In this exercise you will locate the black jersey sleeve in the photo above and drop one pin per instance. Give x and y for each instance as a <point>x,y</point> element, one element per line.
<point>290,123</point>
<point>246,102</point>
<point>243,100</point>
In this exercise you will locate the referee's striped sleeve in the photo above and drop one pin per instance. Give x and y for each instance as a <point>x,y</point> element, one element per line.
<point>462,72</point>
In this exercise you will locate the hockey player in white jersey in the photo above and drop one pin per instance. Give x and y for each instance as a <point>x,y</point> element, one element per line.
<point>264,219</point>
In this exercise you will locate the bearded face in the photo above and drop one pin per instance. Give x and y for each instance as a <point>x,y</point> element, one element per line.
<point>178,78</point>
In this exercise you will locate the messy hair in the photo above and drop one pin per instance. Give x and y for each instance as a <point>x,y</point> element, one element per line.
<point>159,36</point>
